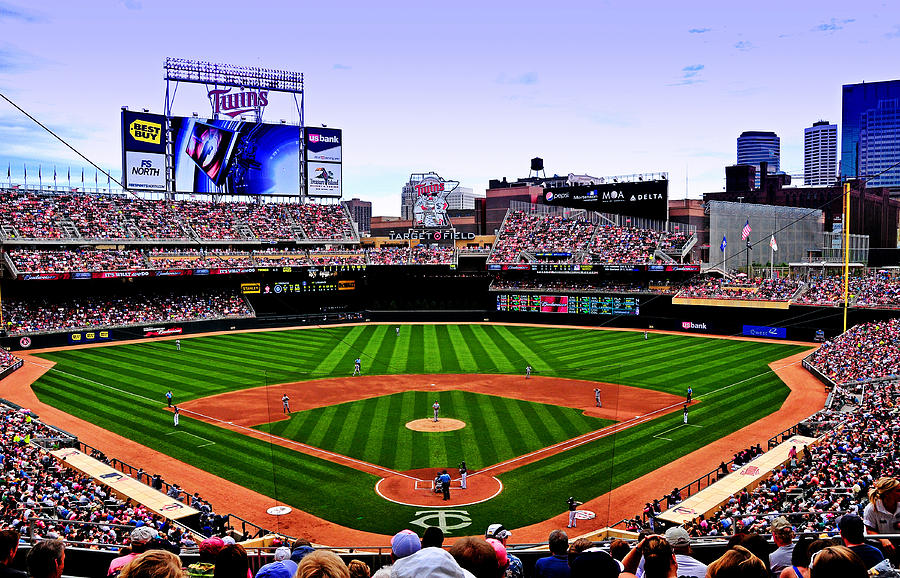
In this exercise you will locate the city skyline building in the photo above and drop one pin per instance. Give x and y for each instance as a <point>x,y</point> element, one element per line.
<point>879,144</point>
<point>820,162</point>
<point>755,147</point>
<point>856,101</point>
<point>361,213</point>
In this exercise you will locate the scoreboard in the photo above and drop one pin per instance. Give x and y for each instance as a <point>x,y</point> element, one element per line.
<point>575,304</point>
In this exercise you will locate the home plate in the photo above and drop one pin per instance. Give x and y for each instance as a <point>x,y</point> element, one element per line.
<point>278,510</point>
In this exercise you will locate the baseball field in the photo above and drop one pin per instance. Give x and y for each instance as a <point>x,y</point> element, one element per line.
<point>230,386</point>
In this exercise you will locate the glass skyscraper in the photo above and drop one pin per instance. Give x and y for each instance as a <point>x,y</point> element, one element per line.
<point>820,162</point>
<point>870,137</point>
<point>754,147</point>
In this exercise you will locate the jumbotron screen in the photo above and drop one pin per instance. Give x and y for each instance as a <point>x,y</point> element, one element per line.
<point>574,304</point>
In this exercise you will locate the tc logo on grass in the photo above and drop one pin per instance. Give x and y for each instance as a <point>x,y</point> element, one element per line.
<point>442,519</point>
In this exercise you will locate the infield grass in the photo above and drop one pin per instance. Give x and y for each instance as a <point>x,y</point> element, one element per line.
<point>121,388</point>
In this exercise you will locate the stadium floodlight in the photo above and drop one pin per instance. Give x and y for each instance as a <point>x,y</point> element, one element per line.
<point>198,71</point>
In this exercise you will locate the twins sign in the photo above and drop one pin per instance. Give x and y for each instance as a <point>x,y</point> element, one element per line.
<point>430,209</point>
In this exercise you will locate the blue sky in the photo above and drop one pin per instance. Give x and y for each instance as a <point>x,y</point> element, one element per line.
<point>471,90</point>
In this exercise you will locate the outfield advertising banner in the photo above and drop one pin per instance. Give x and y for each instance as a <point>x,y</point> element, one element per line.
<point>234,157</point>
<point>323,179</point>
<point>143,151</point>
<point>765,331</point>
<point>146,171</point>
<point>323,144</point>
<point>636,199</point>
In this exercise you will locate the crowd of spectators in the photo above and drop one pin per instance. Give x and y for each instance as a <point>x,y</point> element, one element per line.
<point>866,351</point>
<point>7,359</point>
<point>40,494</point>
<point>125,217</point>
<point>34,315</point>
<point>540,233</point>
<point>578,241</point>
<point>389,255</point>
<point>577,285</point>
<point>436,255</point>
<point>878,290</point>
<point>740,288</point>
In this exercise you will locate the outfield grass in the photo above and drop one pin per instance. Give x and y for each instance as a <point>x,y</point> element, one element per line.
<point>121,388</point>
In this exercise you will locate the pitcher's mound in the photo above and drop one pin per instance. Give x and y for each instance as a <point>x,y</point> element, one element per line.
<point>444,424</point>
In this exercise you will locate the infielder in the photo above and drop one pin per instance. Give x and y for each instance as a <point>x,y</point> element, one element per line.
<point>356,366</point>
<point>573,505</point>
<point>597,400</point>
<point>285,404</point>
<point>436,407</point>
<point>685,413</point>
<point>463,472</point>
<point>175,416</point>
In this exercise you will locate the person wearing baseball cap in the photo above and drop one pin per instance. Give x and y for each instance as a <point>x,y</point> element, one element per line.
<point>404,543</point>
<point>783,536</point>
<point>680,541</point>
<point>853,534</point>
<point>140,542</point>
<point>501,534</point>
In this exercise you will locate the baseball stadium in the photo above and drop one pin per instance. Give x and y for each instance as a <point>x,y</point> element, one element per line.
<point>189,357</point>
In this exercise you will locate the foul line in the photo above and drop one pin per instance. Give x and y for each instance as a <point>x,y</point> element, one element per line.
<point>659,435</point>
<point>187,433</point>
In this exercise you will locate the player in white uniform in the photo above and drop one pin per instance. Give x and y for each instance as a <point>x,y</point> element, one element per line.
<point>285,404</point>
<point>437,408</point>
<point>175,415</point>
<point>527,371</point>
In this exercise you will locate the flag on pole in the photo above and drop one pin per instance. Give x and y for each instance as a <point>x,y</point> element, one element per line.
<point>96,186</point>
<point>724,243</point>
<point>745,232</point>
<point>69,176</point>
<point>40,178</point>
<point>773,244</point>
<point>54,175</point>
<point>82,177</point>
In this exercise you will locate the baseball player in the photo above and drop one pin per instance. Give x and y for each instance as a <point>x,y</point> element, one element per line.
<point>573,505</point>
<point>436,407</point>
<point>177,345</point>
<point>645,336</point>
<point>356,366</point>
<point>175,415</point>
<point>597,400</point>
<point>463,472</point>
<point>285,404</point>
<point>398,331</point>
<point>685,413</point>
<point>527,371</point>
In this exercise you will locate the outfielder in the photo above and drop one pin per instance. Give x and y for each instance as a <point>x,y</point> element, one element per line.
<point>356,366</point>
<point>177,345</point>
<point>527,371</point>
<point>436,407</point>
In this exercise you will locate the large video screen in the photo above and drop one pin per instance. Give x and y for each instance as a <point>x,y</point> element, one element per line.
<point>234,157</point>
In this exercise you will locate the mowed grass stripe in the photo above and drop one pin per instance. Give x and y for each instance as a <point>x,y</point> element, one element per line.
<point>500,362</point>
<point>336,360</point>
<point>449,360</point>
<point>465,357</point>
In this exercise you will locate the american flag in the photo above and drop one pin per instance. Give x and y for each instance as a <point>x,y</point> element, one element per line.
<point>745,232</point>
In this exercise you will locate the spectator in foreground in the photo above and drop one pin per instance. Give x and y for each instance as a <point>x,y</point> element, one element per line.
<point>9,545</point>
<point>498,532</point>
<point>738,562</point>
<point>783,536</point>
<point>427,563</point>
<point>658,558</point>
<point>853,535</point>
<point>209,549</point>
<point>837,562</point>
<point>882,515</point>
<point>359,569</point>
<point>322,564</point>
<point>478,557</point>
<point>556,565</point>
<point>231,562</point>
<point>46,559</point>
<point>678,538</point>
<point>433,537</point>
<point>403,544</point>
<point>154,564</point>
<point>140,543</point>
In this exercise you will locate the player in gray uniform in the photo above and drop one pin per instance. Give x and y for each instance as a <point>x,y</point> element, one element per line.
<point>437,408</point>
